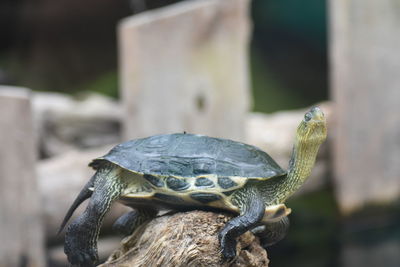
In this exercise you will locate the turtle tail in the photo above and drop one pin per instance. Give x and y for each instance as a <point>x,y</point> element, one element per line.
<point>85,193</point>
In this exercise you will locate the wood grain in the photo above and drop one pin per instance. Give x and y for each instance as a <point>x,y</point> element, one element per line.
<point>185,68</point>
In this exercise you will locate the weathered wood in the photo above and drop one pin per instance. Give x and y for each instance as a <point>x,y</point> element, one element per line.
<point>21,232</point>
<point>365,41</point>
<point>185,239</point>
<point>64,123</point>
<point>184,68</point>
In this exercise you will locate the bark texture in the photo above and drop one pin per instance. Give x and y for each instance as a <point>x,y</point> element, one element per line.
<point>185,239</point>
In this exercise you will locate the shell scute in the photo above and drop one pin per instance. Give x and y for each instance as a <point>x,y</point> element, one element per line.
<point>168,198</point>
<point>177,184</point>
<point>154,180</point>
<point>155,166</point>
<point>188,155</point>
<point>204,182</point>
<point>205,197</point>
<point>179,167</point>
<point>229,168</point>
<point>203,166</point>
<point>226,182</point>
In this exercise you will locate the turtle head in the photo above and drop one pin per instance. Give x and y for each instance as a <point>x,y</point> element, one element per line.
<point>311,133</point>
<point>312,129</point>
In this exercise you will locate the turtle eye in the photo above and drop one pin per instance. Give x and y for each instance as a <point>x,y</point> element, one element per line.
<point>307,117</point>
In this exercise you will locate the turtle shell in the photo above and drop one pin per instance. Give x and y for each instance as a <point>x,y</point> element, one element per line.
<point>188,155</point>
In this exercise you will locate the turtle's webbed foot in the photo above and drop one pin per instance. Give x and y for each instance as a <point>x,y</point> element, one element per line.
<point>83,259</point>
<point>266,238</point>
<point>77,246</point>
<point>129,221</point>
<point>126,223</point>
<point>228,245</point>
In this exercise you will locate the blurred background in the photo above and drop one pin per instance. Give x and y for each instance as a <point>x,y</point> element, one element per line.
<point>291,55</point>
<point>70,47</point>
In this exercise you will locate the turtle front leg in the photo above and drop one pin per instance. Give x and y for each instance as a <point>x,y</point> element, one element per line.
<point>129,221</point>
<point>252,212</point>
<point>82,234</point>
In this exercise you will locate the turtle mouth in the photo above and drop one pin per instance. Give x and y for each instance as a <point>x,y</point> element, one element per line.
<point>313,128</point>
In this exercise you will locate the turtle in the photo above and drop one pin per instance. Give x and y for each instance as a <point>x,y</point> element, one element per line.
<point>183,172</point>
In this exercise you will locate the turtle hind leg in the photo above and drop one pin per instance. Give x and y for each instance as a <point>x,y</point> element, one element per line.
<point>272,232</point>
<point>252,212</point>
<point>82,234</point>
<point>129,221</point>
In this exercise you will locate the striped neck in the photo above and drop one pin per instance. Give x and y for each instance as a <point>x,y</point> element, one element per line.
<point>300,167</point>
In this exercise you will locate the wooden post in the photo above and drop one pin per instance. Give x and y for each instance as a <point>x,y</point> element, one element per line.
<point>21,234</point>
<point>365,63</point>
<point>184,68</point>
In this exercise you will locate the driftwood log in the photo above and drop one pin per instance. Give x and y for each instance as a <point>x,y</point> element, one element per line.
<point>184,239</point>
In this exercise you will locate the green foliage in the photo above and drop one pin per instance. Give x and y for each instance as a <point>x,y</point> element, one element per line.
<point>305,18</point>
<point>269,94</point>
<point>289,54</point>
<point>106,84</point>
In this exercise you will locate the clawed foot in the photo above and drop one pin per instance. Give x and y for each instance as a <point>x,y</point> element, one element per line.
<point>77,248</point>
<point>228,245</point>
<point>259,231</point>
<point>82,258</point>
<point>125,224</point>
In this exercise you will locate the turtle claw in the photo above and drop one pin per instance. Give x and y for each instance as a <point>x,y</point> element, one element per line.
<point>125,224</point>
<point>228,252</point>
<point>82,259</point>
<point>77,248</point>
<point>228,246</point>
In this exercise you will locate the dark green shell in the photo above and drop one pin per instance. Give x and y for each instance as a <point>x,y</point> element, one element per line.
<point>189,155</point>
